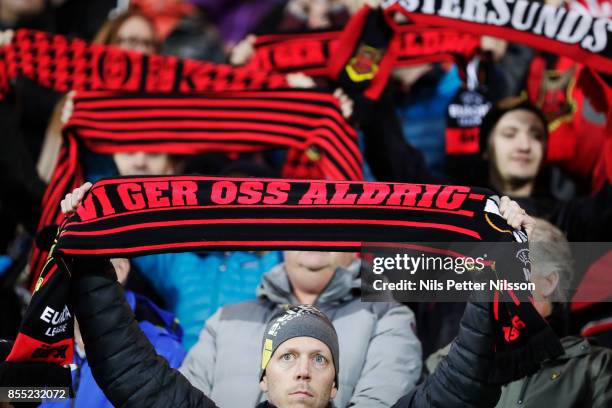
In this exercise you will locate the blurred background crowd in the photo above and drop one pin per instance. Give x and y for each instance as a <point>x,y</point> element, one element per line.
<point>530,95</point>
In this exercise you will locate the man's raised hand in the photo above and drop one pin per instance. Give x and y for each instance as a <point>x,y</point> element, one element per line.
<point>72,200</point>
<point>515,216</point>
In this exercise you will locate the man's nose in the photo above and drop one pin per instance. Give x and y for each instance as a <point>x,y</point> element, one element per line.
<point>302,369</point>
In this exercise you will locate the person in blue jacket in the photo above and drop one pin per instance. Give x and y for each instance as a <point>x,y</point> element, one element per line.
<point>194,286</point>
<point>159,326</point>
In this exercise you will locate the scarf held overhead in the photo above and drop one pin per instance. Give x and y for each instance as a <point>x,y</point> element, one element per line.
<point>309,52</point>
<point>569,33</point>
<point>362,50</point>
<point>368,46</point>
<point>360,57</point>
<point>108,122</point>
<point>63,64</point>
<point>142,215</point>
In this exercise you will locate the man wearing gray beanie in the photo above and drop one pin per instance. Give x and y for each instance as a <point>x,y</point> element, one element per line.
<point>300,359</point>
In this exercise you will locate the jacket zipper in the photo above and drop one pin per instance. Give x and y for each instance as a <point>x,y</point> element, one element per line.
<point>521,396</point>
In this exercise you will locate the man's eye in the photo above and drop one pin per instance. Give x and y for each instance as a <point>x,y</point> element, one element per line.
<point>320,360</point>
<point>287,357</point>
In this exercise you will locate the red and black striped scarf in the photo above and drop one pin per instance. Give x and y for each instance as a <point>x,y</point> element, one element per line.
<point>310,52</point>
<point>360,57</point>
<point>124,217</point>
<point>369,47</point>
<point>569,33</point>
<point>63,64</point>
<point>577,35</point>
<point>110,122</point>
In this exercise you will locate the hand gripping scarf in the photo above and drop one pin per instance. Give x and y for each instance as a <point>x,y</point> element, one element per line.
<point>133,216</point>
<point>110,122</point>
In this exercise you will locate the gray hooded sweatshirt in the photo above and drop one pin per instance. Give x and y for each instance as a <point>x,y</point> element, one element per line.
<point>380,355</point>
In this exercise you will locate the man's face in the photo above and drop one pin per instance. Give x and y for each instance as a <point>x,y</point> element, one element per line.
<point>300,374</point>
<point>516,146</point>
<point>311,270</point>
<point>544,275</point>
<point>143,164</point>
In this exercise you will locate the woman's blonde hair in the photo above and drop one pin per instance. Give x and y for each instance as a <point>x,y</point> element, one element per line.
<point>108,33</point>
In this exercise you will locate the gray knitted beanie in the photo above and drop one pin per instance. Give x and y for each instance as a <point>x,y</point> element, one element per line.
<point>299,321</point>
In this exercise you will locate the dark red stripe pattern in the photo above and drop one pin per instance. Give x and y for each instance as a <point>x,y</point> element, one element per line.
<point>108,122</point>
<point>63,64</point>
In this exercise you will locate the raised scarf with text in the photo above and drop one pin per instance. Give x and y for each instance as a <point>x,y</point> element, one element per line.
<point>131,216</point>
<point>182,124</point>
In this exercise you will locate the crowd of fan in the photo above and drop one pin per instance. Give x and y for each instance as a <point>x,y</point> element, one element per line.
<point>224,300</point>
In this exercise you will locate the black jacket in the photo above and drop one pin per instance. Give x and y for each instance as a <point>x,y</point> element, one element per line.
<point>461,379</point>
<point>127,369</point>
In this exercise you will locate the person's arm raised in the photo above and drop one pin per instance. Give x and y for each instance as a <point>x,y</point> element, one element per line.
<point>461,379</point>
<point>123,361</point>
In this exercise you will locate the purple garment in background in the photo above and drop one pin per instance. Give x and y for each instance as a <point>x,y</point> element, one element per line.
<point>235,18</point>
